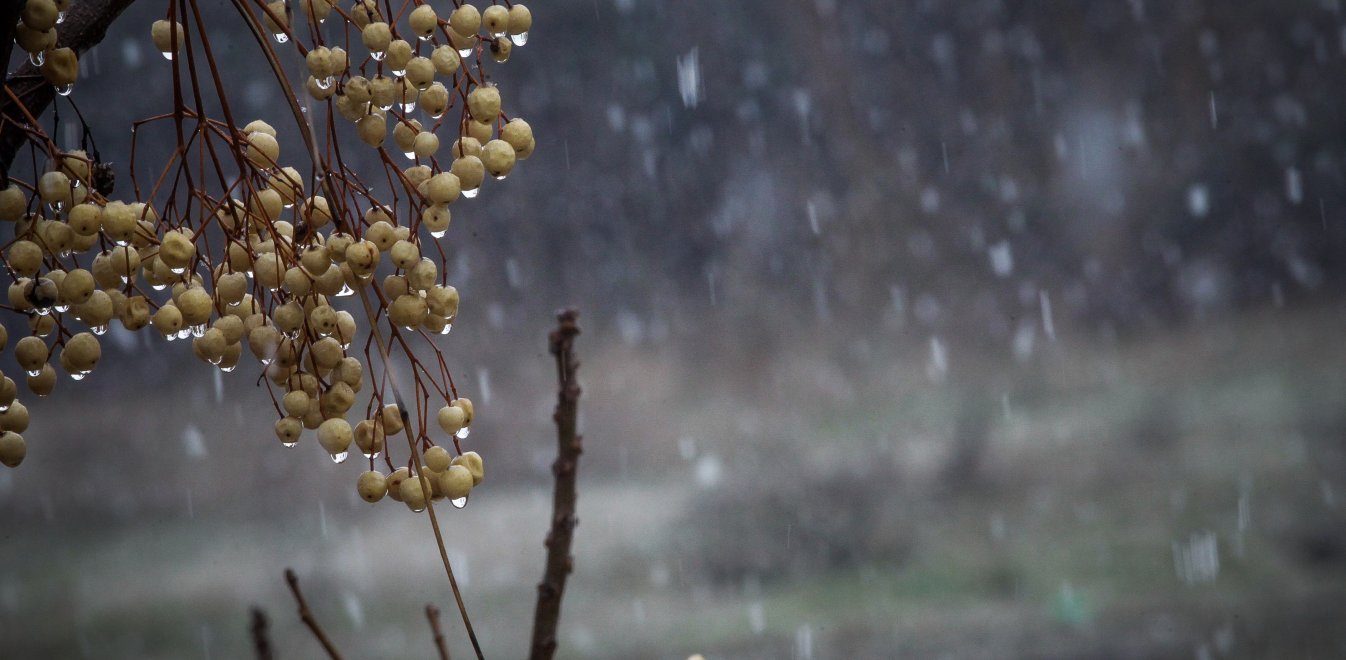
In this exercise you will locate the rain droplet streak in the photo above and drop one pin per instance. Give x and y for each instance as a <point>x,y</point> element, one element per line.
<point>1048,328</point>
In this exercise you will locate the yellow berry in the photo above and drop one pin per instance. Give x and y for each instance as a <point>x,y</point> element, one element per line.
<point>12,449</point>
<point>451,419</point>
<point>455,482</point>
<point>465,20</point>
<point>335,435</point>
<point>372,485</point>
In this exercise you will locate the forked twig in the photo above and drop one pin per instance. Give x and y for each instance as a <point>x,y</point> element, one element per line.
<point>569,447</point>
<point>307,616</point>
<point>432,613</point>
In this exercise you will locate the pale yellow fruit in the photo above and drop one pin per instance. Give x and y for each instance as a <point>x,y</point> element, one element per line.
<point>371,485</point>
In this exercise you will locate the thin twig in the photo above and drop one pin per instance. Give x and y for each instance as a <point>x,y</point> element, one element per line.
<point>261,640</point>
<point>569,447</point>
<point>307,616</point>
<point>432,613</point>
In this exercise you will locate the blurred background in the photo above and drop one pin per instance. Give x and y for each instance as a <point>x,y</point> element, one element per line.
<point>975,328</point>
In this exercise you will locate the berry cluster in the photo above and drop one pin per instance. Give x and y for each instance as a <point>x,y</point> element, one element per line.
<point>36,34</point>
<point>237,245</point>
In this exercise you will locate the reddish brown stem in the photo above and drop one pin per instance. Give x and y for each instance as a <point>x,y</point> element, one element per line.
<point>563,522</point>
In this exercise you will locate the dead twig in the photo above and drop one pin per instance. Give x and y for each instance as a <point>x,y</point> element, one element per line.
<point>432,613</point>
<point>261,639</point>
<point>306,615</point>
<point>569,447</point>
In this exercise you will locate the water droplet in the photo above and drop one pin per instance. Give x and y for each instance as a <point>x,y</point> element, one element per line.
<point>471,193</point>
<point>465,52</point>
<point>281,37</point>
<point>459,502</point>
<point>462,433</point>
<point>198,330</point>
<point>289,444</point>
<point>34,372</point>
<point>78,375</point>
<point>171,336</point>
<point>448,327</point>
<point>4,408</point>
<point>385,108</point>
<point>340,457</point>
<point>323,83</point>
<point>56,206</point>
<point>519,39</point>
<point>230,368</point>
<point>409,107</point>
<point>98,329</point>
<point>158,286</point>
<point>178,271</point>
<point>216,360</point>
<point>499,35</point>
<point>168,55</point>
<point>64,90</point>
<point>437,115</point>
<point>399,73</point>
<point>60,17</point>
<point>410,155</point>
<point>61,309</point>
<point>372,455</point>
<point>38,58</point>
<point>346,290</point>
<point>499,177</point>
<point>184,333</point>
<point>378,55</point>
<point>439,234</point>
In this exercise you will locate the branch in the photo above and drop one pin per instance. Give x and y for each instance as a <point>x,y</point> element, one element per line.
<point>85,25</point>
<point>307,616</point>
<point>261,641</point>
<point>432,613</point>
<point>569,446</point>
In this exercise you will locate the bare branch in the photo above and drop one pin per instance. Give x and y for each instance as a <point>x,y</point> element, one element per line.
<point>569,446</point>
<point>432,613</point>
<point>306,615</point>
<point>261,640</point>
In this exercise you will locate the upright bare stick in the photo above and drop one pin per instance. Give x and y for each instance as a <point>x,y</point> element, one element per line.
<point>306,615</point>
<point>432,613</point>
<point>261,639</point>
<point>569,446</point>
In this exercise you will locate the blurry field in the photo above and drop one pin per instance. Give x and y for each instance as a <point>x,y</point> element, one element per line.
<point>1178,496</point>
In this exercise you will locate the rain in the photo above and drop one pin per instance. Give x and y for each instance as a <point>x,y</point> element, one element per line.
<point>952,328</point>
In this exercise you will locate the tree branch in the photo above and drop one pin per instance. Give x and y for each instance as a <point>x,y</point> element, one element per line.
<point>85,25</point>
<point>261,640</point>
<point>307,616</point>
<point>569,446</point>
<point>432,613</point>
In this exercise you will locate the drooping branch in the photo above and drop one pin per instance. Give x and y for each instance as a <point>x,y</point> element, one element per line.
<point>569,446</point>
<point>85,25</point>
